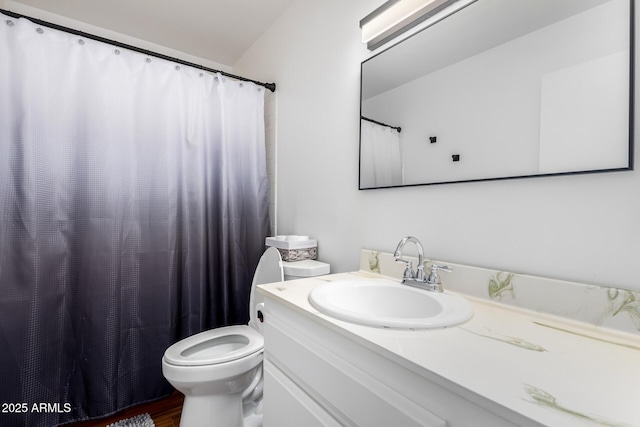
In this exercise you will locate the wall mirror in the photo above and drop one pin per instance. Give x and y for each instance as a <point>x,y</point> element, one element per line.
<point>501,89</point>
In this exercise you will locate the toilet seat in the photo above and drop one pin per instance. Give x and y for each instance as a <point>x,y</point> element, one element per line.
<point>215,346</point>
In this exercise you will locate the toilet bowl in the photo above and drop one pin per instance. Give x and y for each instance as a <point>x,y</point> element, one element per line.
<point>220,371</point>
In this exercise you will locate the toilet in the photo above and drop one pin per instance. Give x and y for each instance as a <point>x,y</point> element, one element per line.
<point>220,371</point>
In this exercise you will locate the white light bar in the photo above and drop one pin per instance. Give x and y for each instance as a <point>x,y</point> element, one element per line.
<point>397,16</point>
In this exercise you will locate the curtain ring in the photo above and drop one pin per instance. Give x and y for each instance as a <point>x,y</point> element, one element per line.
<point>39,30</point>
<point>148,60</point>
<point>117,52</point>
<point>9,22</point>
<point>81,42</point>
<point>177,68</point>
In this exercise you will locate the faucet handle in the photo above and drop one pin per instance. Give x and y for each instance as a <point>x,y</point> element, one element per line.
<point>433,277</point>
<point>408,271</point>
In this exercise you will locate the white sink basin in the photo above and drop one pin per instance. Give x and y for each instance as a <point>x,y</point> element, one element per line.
<point>387,304</point>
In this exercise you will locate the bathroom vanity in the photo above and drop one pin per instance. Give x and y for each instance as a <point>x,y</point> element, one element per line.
<point>506,366</point>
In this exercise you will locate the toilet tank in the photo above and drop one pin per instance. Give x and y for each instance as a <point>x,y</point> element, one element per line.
<point>304,269</point>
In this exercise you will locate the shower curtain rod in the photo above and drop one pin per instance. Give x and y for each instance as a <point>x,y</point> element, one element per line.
<point>398,128</point>
<point>270,86</point>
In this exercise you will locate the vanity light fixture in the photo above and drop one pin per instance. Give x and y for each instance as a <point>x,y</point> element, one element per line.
<point>395,17</point>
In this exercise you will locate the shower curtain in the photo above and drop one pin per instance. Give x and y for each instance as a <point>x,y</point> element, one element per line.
<point>380,156</point>
<point>133,212</point>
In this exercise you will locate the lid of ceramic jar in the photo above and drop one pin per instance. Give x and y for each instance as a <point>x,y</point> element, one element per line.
<point>306,268</point>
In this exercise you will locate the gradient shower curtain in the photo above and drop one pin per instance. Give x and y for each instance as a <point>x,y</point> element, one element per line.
<point>133,211</point>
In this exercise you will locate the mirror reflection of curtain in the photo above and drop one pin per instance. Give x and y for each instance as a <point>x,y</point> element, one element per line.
<point>381,156</point>
<point>133,211</point>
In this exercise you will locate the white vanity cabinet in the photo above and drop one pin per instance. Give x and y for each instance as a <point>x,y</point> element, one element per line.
<point>315,375</point>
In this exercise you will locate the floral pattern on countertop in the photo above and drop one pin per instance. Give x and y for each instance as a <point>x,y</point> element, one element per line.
<point>518,342</point>
<point>374,262</point>
<point>628,302</point>
<point>545,399</point>
<point>501,283</point>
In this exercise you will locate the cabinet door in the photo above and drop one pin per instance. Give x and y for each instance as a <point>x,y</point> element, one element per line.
<point>347,392</point>
<point>287,405</point>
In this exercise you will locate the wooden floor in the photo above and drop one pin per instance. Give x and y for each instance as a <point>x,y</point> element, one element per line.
<point>165,413</point>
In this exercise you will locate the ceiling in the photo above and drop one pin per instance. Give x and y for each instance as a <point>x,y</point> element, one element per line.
<point>216,30</point>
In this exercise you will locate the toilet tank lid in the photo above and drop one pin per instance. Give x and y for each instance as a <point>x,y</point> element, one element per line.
<point>306,268</point>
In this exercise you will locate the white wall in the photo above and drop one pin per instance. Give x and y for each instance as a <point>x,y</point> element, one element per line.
<point>583,227</point>
<point>310,56</point>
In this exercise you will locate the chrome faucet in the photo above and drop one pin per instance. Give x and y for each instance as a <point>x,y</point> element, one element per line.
<point>432,281</point>
<point>408,272</point>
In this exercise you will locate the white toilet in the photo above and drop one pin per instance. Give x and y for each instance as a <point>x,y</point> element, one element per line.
<point>220,371</point>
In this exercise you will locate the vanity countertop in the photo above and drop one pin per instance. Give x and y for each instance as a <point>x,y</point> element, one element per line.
<point>551,370</point>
